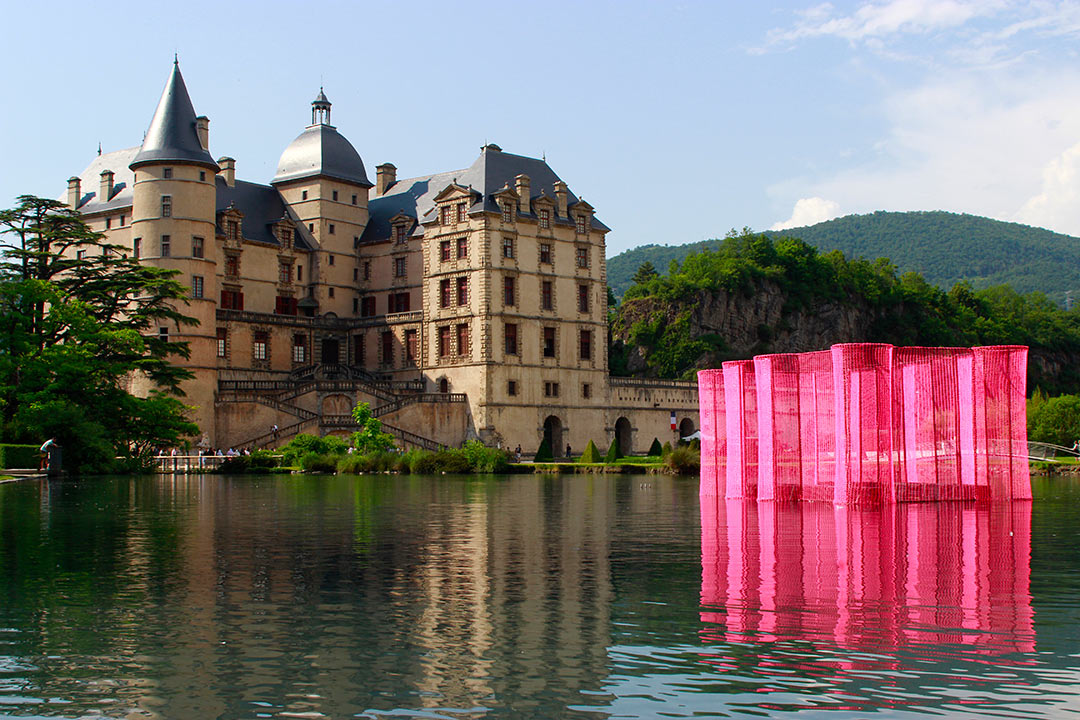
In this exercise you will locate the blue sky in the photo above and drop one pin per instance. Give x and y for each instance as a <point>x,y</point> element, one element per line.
<point>677,121</point>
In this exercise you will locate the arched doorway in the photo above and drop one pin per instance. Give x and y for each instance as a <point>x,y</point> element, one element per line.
<point>622,435</point>
<point>444,385</point>
<point>553,435</point>
<point>686,427</point>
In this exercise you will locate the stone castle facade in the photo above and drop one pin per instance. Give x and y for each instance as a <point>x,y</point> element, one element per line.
<point>470,303</point>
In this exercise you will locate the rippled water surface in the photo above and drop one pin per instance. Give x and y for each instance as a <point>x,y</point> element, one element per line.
<point>433,597</point>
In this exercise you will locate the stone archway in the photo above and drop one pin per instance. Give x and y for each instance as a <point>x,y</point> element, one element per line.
<point>686,427</point>
<point>624,435</point>
<point>553,433</point>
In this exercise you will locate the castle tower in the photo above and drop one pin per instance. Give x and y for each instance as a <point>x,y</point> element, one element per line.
<point>173,211</point>
<point>321,176</point>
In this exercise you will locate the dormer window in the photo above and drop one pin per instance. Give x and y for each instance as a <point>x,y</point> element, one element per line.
<point>401,233</point>
<point>447,216</point>
<point>461,212</point>
<point>579,224</point>
<point>232,230</point>
<point>545,218</point>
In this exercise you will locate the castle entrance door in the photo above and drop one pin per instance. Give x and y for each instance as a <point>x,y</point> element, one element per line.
<point>553,435</point>
<point>330,352</point>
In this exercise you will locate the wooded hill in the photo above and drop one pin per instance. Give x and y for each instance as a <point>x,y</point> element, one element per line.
<point>943,247</point>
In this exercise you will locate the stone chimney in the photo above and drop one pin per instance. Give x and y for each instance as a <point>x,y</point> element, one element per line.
<point>521,184</point>
<point>385,177</point>
<point>106,186</point>
<point>74,192</point>
<point>202,126</point>
<point>228,170</point>
<point>561,196</point>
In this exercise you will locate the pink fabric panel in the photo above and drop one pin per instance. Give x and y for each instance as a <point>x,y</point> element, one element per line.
<point>817,426</point>
<point>780,453</point>
<point>1000,384</point>
<point>713,432</point>
<point>740,399</point>
<point>862,374</point>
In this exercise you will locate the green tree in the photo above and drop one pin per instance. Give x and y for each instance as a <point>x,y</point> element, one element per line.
<point>644,274</point>
<point>370,437</point>
<point>78,322</point>
<point>1056,421</point>
<point>656,449</point>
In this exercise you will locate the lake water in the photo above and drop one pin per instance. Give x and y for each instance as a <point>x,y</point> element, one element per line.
<point>520,597</point>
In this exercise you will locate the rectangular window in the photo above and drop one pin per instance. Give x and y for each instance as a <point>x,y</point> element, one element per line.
<point>510,334</point>
<point>222,342</point>
<point>446,215</point>
<point>445,293</point>
<point>108,223</point>
<point>353,199</point>
<point>163,334</point>
<point>399,266</point>
<point>444,341</point>
<point>551,389</point>
<point>367,270</point>
<point>398,302</point>
<point>412,345</point>
<point>444,250</point>
<point>547,300</point>
<point>579,224</point>
<point>358,350</point>
<point>284,305</point>
<point>367,307</point>
<point>202,176</point>
<point>335,195</point>
<point>232,266</point>
<point>167,173</point>
<point>545,253</point>
<point>355,305</point>
<point>549,342</point>
<point>462,291</point>
<point>586,390</point>
<point>284,273</point>
<point>583,298</point>
<point>136,248</point>
<point>299,348</point>
<point>331,260</point>
<point>507,212</point>
<point>583,257</point>
<point>387,348</point>
<point>511,388</point>
<point>545,218</point>
<point>166,206</point>
<point>356,274</point>
<point>123,218</point>
<point>461,209</point>
<point>303,195</point>
<point>508,291</point>
<point>401,233</point>
<point>299,273</point>
<point>463,339</point>
<point>331,230</point>
<point>166,246</point>
<point>196,247</point>
<point>232,300</point>
<point>261,349</point>
<point>508,247</point>
<point>586,344</point>
<point>196,286</point>
<point>80,254</point>
<point>462,248</point>
<point>330,292</point>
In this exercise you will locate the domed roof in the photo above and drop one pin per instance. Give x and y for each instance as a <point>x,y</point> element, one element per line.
<point>321,151</point>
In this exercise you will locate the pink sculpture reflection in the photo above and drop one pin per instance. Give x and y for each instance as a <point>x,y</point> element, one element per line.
<point>879,578</point>
<point>867,423</point>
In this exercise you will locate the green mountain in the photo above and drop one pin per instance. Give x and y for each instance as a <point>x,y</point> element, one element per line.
<point>944,247</point>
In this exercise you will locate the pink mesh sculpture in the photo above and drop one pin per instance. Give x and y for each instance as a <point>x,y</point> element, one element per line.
<point>887,576</point>
<point>867,423</point>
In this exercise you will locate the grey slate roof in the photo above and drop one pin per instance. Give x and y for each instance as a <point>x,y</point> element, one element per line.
<point>321,151</point>
<point>262,207</point>
<point>172,136</point>
<point>491,171</point>
<point>123,179</point>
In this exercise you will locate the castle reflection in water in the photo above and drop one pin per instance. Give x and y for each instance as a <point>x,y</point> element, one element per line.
<point>955,576</point>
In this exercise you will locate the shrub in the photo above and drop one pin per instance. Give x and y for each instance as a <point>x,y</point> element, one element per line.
<point>656,450</point>
<point>304,443</point>
<point>612,452</point>
<point>352,464</point>
<point>314,462</point>
<point>452,460</point>
<point>591,454</point>
<point>486,459</point>
<point>684,460</point>
<point>1055,421</point>
<point>543,453</point>
<point>666,450</point>
<point>19,456</point>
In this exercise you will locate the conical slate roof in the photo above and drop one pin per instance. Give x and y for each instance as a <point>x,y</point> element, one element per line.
<point>172,136</point>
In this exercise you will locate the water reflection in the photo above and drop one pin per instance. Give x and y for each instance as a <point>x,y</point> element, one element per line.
<point>951,577</point>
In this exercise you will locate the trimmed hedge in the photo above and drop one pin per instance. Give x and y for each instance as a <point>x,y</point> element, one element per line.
<point>591,454</point>
<point>656,449</point>
<point>19,456</point>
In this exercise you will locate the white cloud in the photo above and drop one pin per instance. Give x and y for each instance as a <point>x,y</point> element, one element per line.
<point>1058,205</point>
<point>809,211</point>
<point>879,20</point>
